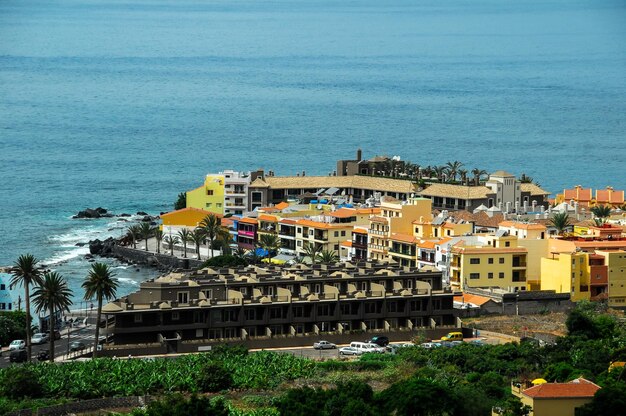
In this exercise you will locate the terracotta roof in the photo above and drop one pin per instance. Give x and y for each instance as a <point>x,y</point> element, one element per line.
<point>610,196</point>
<point>403,238</point>
<point>501,173</point>
<point>268,209</point>
<point>287,221</point>
<point>282,205</point>
<point>372,211</point>
<point>576,388</point>
<point>600,244</point>
<point>456,191</point>
<point>475,299</point>
<point>533,189</point>
<point>522,225</point>
<point>359,230</point>
<point>481,219</point>
<point>343,213</point>
<point>379,219</point>
<point>227,222</point>
<point>577,194</point>
<point>427,244</point>
<point>269,218</point>
<point>248,220</point>
<point>347,243</point>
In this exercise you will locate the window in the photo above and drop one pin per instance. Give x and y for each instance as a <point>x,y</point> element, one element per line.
<point>209,204</point>
<point>257,197</point>
<point>336,233</point>
<point>370,307</point>
<point>209,192</point>
<point>474,260</point>
<point>490,275</point>
<point>508,243</point>
<point>490,260</point>
<point>343,233</point>
<point>219,205</point>
<point>243,290</point>
<point>3,287</point>
<point>208,293</point>
<point>183,297</point>
<point>138,318</point>
<point>175,316</point>
<point>501,275</point>
<point>501,261</point>
<point>474,275</point>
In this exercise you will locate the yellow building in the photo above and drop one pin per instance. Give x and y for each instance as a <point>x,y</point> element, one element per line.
<point>209,196</point>
<point>325,236</point>
<point>397,218</point>
<point>188,218</point>
<point>616,265</point>
<point>403,249</point>
<point>499,264</point>
<point>525,230</point>
<point>556,399</point>
<point>567,272</point>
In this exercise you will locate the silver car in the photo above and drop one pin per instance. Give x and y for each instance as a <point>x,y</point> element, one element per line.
<point>349,351</point>
<point>39,338</point>
<point>324,345</point>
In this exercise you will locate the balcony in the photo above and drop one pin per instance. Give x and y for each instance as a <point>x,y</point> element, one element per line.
<point>402,252</point>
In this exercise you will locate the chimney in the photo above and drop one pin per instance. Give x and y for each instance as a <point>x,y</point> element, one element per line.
<point>359,154</point>
<point>303,173</point>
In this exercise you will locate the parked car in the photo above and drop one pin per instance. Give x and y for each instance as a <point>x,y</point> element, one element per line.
<point>453,336</point>
<point>376,348</point>
<point>18,344</point>
<point>324,345</point>
<point>18,356</point>
<point>431,345</point>
<point>381,341</point>
<point>349,351</point>
<point>393,348</point>
<point>456,343</point>
<point>39,338</point>
<point>44,355</point>
<point>77,346</point>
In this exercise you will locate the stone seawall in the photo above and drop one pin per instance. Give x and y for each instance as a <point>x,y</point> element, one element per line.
<point>160,261</point>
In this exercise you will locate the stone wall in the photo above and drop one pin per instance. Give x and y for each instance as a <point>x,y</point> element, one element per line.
<point>87,406</point>
<point>161,261</point>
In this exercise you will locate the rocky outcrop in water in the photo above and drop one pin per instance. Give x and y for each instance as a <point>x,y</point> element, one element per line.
<point>102,248</point>
<point>93,213</point>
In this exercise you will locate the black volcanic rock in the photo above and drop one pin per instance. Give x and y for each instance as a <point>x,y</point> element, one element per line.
<point>102,248</point>
<point>142,213</point>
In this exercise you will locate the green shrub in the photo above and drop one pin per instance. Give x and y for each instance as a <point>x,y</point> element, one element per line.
<point>20,382</point>
<point>213,378</point>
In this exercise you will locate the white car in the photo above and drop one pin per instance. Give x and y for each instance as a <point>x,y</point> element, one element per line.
<point>324,345</point>
<point>349,351</point>
<point>375,348</point>
<point>39,338</point>
<point>18,344</point>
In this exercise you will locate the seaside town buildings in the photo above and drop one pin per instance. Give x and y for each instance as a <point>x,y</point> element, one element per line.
<point>555,399</point>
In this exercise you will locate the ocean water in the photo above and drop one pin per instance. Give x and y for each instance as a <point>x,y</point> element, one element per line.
<point>123,104</point>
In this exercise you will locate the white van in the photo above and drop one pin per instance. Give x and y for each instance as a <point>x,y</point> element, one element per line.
<point>362,347</point>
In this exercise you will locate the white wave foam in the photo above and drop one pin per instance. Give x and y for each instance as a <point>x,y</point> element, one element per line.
<point>127,280</point>
<point>65,256</point>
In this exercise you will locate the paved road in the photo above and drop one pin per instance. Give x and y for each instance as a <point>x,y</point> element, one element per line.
<point>84,333</point>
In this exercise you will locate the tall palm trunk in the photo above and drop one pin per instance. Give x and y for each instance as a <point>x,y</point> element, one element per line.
<point>27,303</point>
<point>51,328</point>
<point>98,315</point>
<point>211,248</point>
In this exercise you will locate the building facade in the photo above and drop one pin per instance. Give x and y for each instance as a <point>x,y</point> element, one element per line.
<point>253,301</point>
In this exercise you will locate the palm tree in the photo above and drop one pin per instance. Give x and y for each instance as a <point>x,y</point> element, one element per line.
<point>184,238</point>
<point>463,174</point>
<point>100,284</point>
<point>158,234</point>
<point>53,295</point>
<point>453,169</point>
<point>560,221</point>
<point>26,273</point>
<point>439,171</point>
<point>134,231</point>
<point>312,251</point>
<point>269,242</point>
<point>224,238</point>
<point>171,241</point>
<point>197,237</point>
<point>602,212</point>
<point>212,227</point>
<point>328,257</point>
<point>477,175</point>
<point>145,232</point>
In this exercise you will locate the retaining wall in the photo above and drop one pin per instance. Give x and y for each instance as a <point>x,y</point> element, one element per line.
<point>84,406</point>
<point>160,260</point>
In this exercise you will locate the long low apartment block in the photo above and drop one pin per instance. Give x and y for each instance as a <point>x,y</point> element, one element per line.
<point>253,301</point>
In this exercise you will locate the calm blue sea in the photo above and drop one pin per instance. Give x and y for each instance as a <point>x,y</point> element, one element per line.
<point>123,104</point>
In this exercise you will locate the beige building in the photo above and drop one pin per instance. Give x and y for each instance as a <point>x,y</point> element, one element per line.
<point>556,399</point>
<point>616,265</point>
